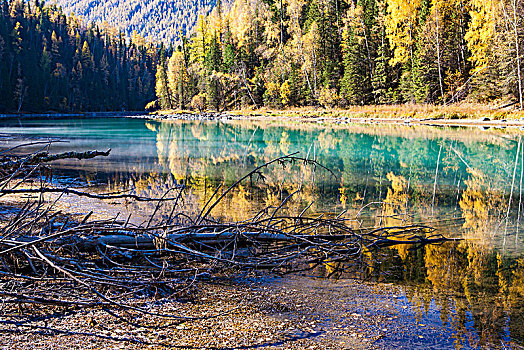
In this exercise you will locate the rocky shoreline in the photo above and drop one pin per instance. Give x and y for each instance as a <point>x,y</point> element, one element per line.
<point>243,314</point>
<point>256,312</point>
<point>338,120</point>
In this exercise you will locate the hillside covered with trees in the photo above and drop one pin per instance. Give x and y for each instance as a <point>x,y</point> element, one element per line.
<point>281,53</point>
<point>53,62</point>
<point>158,20</point>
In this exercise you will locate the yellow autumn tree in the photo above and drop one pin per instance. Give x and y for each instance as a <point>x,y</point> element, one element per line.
<point>311,44</point>
<point>395,206</point>
<point>178,79</point>
<point>478,202</point>
<point>401,22</point>
<point>201,40</point>
<point>296,48</point>
<point>481,33</point>
<point>241,19</point>
<point>285,93</point>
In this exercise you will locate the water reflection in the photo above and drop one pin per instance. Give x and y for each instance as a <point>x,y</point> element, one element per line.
<point>466,182</point>
<point>410,179</point>
<point>478,293</point>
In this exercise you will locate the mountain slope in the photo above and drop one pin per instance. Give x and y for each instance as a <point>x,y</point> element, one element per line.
<point>153,19</point>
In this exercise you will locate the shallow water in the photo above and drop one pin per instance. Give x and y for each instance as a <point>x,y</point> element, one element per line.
<point>467,182</point>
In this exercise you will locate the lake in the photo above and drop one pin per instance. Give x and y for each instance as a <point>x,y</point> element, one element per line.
<point>465,182</point>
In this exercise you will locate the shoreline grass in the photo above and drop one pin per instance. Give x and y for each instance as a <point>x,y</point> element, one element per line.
<point>404,111</point>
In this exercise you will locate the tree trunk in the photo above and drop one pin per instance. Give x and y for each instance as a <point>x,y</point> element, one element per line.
<point>517,53</point>
<point>438,56</point>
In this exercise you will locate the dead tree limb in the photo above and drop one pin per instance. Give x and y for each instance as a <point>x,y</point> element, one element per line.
<point>86,194</point>
<point>45,157</point>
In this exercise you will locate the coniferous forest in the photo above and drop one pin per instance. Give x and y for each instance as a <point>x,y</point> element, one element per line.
<point>281,53</point>
<point>53,62</point>
<point>159,20</point>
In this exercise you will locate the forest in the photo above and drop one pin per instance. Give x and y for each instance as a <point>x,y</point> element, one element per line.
<point>339,53</point>
<point>159,20</point>
<point>262,53</point>
<point>50,62</point>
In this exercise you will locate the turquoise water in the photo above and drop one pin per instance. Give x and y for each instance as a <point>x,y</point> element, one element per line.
<point>467,182</point>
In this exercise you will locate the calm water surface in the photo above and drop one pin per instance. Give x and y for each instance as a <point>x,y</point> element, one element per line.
<point>467,182</point>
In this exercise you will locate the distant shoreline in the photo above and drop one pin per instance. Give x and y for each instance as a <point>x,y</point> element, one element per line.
<point>466,115</point>
<point>118,114</point>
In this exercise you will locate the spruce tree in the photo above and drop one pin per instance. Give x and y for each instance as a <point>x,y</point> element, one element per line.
<point>213,63</point>
<point>380,75</point>
<point>162,85</point>
<point>355,81</point>
<point>213,58</point>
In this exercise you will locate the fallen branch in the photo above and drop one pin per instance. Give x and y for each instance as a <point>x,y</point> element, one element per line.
<point>86,194</point>
<point>45,157</point>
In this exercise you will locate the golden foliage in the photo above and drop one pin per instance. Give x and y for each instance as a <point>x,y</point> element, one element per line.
<point>395,206</point>
<point>198,102</point>
<point>477,203</point>
<point>481,32</point>
<point>285,93</point>
<point>401,23</point>
<point>328,97</point>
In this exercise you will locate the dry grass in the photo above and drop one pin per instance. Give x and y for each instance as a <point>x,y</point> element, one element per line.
<point>404,111</point>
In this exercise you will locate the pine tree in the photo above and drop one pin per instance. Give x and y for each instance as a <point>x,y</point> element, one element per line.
<point>380,75</point>
<point>45,66</point>
<point>414,86</point>
<point>382,71</point>
<point>162,86</point>
<point>213,58</point>
<point>355,82</point>
<point>87,59</point>
<point>16,38</point>
<point>55,47</point>
<point>229,50</point>
<point>213,64</point>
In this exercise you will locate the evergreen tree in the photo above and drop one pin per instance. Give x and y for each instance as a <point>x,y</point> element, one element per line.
<point>213,58</point>
<point>162,85</point>
<point>354,84</point>
<point>213,64</point>
<point>380,75</point>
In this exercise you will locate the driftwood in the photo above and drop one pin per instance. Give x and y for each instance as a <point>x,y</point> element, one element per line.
<point>67,191</point>
<point>113,265</point>
<point>45,157</point>
<point>14,165</point>
<point>244,239</point>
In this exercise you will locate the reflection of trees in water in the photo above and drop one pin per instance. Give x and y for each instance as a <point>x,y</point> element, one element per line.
<point>208,155</point>
<point>210,159</point>
<point>361,157</point>
<point>479,294</point>
<point>482,208</point>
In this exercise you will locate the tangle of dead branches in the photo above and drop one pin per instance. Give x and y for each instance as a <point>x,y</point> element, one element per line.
<point>50,259</point>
